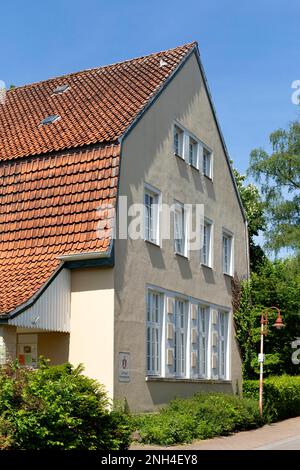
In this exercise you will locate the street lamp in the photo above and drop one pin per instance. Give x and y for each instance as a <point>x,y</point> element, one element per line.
<point>264,320</point>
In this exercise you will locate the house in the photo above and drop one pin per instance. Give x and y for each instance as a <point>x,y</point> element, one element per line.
<point>147,316</point>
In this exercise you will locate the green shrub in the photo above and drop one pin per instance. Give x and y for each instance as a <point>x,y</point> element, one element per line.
<point>281,396</point>
<point>57,408</point>
<point>202,416</point>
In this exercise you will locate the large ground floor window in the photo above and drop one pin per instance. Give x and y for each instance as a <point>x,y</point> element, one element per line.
<point>186,338</point>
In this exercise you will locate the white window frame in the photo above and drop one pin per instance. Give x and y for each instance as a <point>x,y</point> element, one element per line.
<point>227,269</point>
<point>154,332</point>
<point>180,337</point>
<point>193,145</point>
<point>203,341</point>
<point>207,171</point>
<point>179,146</point>
<point>182,150</point>
<point>223,344</point>
<point>153,234</point>
<point>187,137</point>
<point>207,231</point>
<point>179,208</point>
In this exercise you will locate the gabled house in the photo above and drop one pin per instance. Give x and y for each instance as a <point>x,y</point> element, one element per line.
<point>147,316</point>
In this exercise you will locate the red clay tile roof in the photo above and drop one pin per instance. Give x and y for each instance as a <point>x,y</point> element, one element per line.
<point>48,207</point>
<point>98,107</point>
<point>49,201</point>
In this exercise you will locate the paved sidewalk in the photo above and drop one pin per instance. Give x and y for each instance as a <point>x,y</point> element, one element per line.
<point>282,436</point>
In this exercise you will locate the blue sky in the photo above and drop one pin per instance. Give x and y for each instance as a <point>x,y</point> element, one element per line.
<point>250,51</point>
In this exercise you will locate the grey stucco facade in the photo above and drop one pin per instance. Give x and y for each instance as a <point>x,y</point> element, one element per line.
<point>148,158</point>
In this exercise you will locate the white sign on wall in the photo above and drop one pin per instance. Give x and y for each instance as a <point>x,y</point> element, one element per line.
<point>124,367</point>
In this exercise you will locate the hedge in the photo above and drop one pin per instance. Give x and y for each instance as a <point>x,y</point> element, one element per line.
<point>202,416</point>
<point>57,408</point>
<point>281,396</point>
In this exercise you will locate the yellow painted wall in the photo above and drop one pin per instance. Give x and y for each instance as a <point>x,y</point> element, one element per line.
<point>92,323</point>
<point>8,343</point>
<point>54,346</point>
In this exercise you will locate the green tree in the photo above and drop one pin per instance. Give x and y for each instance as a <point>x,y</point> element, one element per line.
<point>274,284</point>
<point>252,203</point>
<point>278,173</point>
<point>254,209</point>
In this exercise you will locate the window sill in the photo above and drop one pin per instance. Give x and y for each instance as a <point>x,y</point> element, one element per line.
<point>228,275</point>
<point>185,380</point>
<point>206,266</point>
<point>153,243</point>
<point>208,177</point>
<point>194,167</point>
<point>181,255</point>
<point>179,156</point>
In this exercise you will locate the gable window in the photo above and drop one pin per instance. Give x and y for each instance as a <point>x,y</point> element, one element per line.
<point>193,152</point>
<point>151,207</point>
<point>207,163</point>
<point>180,338</point>
<point>154,321</point>
<point>206,250</point>
<point>180,229</point>
<point>227,253</point>
<point>178,141</point>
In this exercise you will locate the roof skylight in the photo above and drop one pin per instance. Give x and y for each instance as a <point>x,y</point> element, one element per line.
<point>60,89</point>
<point>50,119</point>
<point>162,63</point>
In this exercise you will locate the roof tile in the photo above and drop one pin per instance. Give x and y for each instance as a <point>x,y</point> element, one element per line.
<point>98,106</point>
<point>47,222</point>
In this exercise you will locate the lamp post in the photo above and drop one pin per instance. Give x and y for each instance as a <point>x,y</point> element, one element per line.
<point>264,320</point>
